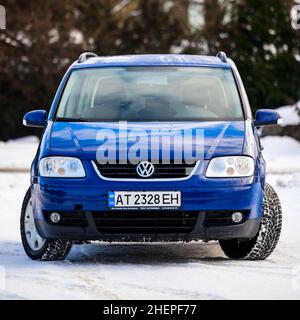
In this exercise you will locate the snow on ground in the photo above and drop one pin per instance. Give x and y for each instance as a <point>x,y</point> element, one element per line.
<point>151,271</point>
<point>290,114</point>
<point>282,154</point>
<point>148,271</point>
<point>17,155</point>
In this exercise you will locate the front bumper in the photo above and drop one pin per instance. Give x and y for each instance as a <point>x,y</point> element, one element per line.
<point>199,194</point>
<point>246,230</point>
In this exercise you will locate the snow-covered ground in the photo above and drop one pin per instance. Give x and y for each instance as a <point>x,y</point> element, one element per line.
<point>290,114</point>
<point>282,154</point>
<point>17,155</point>
<point>153,271</point>
<point>148,271</point>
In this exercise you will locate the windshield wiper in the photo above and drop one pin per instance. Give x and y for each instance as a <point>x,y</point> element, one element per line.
<point>62,119</point>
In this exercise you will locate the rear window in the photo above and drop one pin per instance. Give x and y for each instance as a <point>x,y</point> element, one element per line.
<point>150,94</point>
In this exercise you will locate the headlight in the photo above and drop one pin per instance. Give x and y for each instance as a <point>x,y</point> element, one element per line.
<point>236,166</point>
<point>61,167</point>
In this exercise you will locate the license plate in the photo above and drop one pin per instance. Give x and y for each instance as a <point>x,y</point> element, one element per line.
<point>144,199</point>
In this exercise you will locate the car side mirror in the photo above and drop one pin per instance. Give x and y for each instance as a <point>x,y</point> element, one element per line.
<point>266,117</point>
<point>36,118</point>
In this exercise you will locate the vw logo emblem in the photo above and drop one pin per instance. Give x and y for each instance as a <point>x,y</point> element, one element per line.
<point>145,169</point>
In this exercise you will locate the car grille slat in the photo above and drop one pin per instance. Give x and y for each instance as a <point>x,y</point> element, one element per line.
<point>145,221</point>
<point>128,171</point>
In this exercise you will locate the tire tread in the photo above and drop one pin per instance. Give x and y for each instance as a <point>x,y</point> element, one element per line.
<point>264,243</point>
<point>52,250</point>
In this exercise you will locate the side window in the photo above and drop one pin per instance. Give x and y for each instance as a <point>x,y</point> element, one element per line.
<point>66,97</point>
<point>231,92</point>
<point>76,97</point>
<point>85,101</point>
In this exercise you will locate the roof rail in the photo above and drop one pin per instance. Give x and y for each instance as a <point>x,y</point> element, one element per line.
<point>222,56</point>
<point>85,56</point>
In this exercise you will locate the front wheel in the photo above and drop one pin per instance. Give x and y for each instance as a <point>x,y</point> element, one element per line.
<point>264,243</point>
<point>34,245</point>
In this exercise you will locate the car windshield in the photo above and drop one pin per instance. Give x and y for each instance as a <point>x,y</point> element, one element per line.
<point>150,94</point>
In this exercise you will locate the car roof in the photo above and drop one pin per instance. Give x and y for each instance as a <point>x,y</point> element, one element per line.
<point>152,60</point>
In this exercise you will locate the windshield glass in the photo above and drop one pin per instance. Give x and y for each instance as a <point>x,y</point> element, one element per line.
<point>150,94</point>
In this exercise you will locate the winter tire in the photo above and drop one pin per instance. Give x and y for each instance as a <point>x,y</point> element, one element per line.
<point>34,245</point>
<point>264,243</point>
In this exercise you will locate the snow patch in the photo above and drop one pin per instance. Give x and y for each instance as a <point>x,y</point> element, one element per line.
<point>27,139</point>
<point>282,154</point>
<point>18,154</point>
<point>147,271</point>
<point>289,114</point>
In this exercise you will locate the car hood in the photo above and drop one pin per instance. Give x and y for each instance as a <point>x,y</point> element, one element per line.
<point>213,138</point>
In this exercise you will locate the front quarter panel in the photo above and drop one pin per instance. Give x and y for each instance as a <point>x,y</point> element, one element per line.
<point>43,150</point>
<point>252,148</point>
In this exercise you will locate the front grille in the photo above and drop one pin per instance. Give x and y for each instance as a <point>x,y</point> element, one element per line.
<point>143,221</point>
<point>68,219</point>
<point>128,171</point>
<point>221,218</point>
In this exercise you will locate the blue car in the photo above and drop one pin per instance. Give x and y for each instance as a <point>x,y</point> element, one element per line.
<point>150,148</point>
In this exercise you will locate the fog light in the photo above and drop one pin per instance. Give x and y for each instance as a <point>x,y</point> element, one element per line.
<point>237,217</point>
<point>55,217</point>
